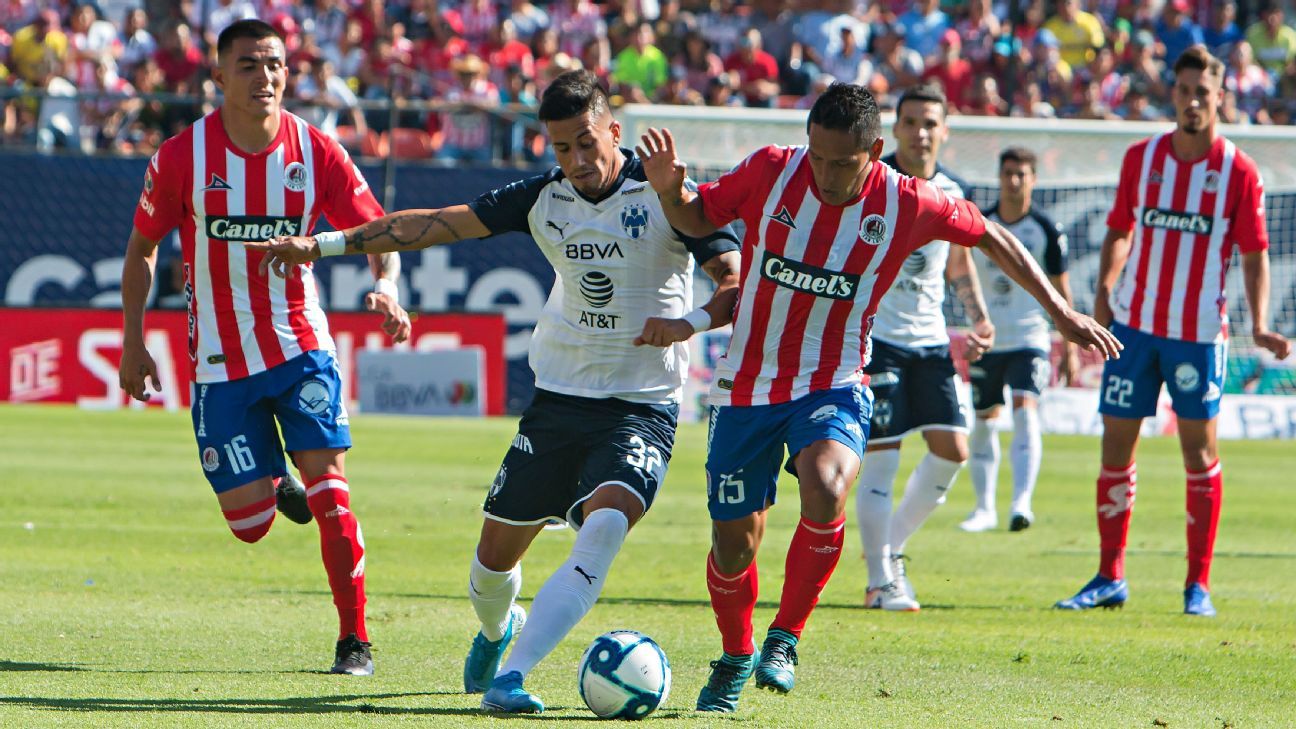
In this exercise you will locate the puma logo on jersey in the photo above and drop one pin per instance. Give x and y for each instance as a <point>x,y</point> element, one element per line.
<point>561,231</point>
<point>588,577</point>
<point>784,217</point>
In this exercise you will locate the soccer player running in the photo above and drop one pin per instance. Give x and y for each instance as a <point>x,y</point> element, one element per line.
<point>1185,200</point>
<point>1020,357</point>
<point>911,374</point>
<point>262,356</point>
<point>610,360</point>
<point>827,230</point>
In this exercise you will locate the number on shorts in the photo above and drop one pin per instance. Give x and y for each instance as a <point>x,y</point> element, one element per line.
<point>1118,391</point>
<point>239,455</point>
<point>727,481</point>
<point>644,457</point>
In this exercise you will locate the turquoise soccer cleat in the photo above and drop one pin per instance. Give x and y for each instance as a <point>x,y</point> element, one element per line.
<point>506,696</point>
<point>1197,601</point>
<point>1099,592</point>
<point>484,658</point>
<point>776,669</point>
<point>728,676</point>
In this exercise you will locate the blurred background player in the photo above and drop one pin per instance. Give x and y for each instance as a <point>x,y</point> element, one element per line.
<point>262,354</point>
<point>1186,199</point>
<point>1020,356</point>
<point>610,360</point>
<point>828,229</point>
<point>911,374</point>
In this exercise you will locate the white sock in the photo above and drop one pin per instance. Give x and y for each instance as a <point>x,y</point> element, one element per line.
<point>873,511</point>
<point>570,593</point>
<point>983,466</point>
<point>926,490</point>
<point>492,594</point>
<point>1026,451</point>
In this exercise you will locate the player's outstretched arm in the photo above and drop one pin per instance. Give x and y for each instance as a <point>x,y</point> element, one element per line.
<point>1012,257</point>
<point>1255,274</point>
<point>723,269</point>
<point>667,173</point>
<point>960,271</point>
<point>1069,364</point>
<point>407,230</point>
<point>137,364</point>
<point>1111,259</point>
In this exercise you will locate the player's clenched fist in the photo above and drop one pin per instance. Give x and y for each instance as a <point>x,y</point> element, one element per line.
<point>284,253</point>
<point>136,368</point>
<point>659,332</point>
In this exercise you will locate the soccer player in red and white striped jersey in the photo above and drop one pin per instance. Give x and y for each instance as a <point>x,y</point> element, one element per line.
<point>262,357</point>
<point>1186,200</point>
<point>827,228</point>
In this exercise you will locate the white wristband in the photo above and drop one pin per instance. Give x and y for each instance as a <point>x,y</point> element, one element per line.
<point>388,287</point>
<point>332,243</point>
<point>699,319</point>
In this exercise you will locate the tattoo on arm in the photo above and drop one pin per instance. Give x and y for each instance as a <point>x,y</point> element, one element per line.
<point>968,295</point>
<point>404,230</point>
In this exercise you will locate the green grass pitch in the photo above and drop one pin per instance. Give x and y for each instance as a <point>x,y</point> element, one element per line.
<point>125,602</point>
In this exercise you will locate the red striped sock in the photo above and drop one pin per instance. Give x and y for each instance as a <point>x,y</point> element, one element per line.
<point>812,556</point>
<point>251,522</point>
<point>342,547</point>
<point>1116,487</point>
<point>733,597</point>
<point>1204,496</point>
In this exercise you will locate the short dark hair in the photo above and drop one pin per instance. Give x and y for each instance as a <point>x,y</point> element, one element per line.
<point>572,94</point>
<point>927,94</point>
<point>250,28</point>
<point>1199,59</point>
<point>848,108</point>
<point>1020,155</point>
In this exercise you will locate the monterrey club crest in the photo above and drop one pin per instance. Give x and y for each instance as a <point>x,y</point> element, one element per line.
<point>634,220</point>
<point>873,229</point>
<point>295,177</point>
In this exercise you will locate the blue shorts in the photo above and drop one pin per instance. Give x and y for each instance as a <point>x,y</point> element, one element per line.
<point>1192,371</point>
<point>745,445</point>
<point>1024,371</point>
<point>235,422</point>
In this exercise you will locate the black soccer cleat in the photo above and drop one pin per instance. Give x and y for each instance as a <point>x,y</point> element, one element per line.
<point>290,499</point>
<point>353,657</point>
<point>1021,521</point>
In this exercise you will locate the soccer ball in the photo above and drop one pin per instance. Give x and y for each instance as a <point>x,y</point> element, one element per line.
<point>624,675</point>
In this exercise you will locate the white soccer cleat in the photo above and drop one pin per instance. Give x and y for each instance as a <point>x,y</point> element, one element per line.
<point>890,597</point>
<point>899,578</point>
<point>980,521</point>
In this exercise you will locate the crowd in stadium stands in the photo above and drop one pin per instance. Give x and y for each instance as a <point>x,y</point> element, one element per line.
<point>1086,59</point>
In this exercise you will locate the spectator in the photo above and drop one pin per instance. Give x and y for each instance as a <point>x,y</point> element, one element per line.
<point>330,26</point>
<point>894,62</point>
<point>700,64</point>
<point>1032,23</point>
<point>1176,30</point>
<point>924,26</point>
<point>349,54</point>
<point>723,26</point>
<point>326,95</point>
<point>138,44</point>
<point>1273,43</point>
<point>544,46</point>
<point>1223,31</point>
<point>978,32</point>
<point>596,57</point>
<point>527,19</point>
<point>1229,112</point>
<point>849,63</point>
<point>986,100</point>
<point>467,130</point>
<point>1111,83</point>
<point>1091,105</point>
<point>179,58</point>
<point>89,39</point>
<point>1030,103</point>
<point>34,44</point>
<point>107,116</point>
<point>641,64</point>
<point>1146,69</point>
<point>58,124</point>
<point>951,71</point>
<point>15,14</point>
<point>479,17</point>
<point>1250,84</point>
<point>1138,107</point>
<point>576,21</point>
<point>516,137</point>
<point>754,71</point>
<point>720,92</point>
<point>503,50</point>
<point>372,17</point>
<point>221,15</point>
<point>677,91</point>
<point>1078,32</point>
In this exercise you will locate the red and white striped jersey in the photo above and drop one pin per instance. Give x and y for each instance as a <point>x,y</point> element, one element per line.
<point>241,322</point>
<point>1186,218</point>
<point>812,273</point>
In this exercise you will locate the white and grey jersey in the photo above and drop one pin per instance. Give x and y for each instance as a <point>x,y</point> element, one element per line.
<point>909,313</point>
<point>1020,321</point>
<point>618,262</point>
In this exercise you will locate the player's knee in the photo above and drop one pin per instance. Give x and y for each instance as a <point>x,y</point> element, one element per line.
<point>250,523</point>
<point>955,450</point>
<point>615,496</point>
<point>733,551</point>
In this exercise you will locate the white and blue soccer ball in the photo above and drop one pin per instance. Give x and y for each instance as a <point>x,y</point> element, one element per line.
<point>624,674</point>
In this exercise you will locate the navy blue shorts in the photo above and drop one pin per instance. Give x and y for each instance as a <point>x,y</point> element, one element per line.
<point>1193,372</point>
<point>568,446</point>
<point>913,389</point>
<point>1024,371</point>
<point>745,445</point>
<point>235,422</point>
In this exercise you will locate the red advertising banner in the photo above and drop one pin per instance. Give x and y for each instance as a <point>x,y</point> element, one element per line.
<point>71,355</point>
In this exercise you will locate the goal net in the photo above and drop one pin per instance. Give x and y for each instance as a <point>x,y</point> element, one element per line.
<point>1079,162</point>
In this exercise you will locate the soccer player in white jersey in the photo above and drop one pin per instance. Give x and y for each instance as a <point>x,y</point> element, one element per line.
<point>1020,357</point>
<point>262,357</point>
<point>1186,199</point>
<point>828,228</point>
<point>610,360</point>
<point>911,374</point>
